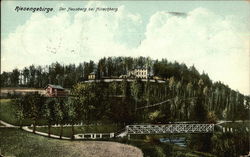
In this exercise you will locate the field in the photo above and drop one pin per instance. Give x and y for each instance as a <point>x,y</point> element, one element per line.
<point>22,144</point>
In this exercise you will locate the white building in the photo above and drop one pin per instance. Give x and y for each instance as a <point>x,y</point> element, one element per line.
<point>139,73</point>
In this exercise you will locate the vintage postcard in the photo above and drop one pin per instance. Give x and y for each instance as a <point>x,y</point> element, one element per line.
<point>125,79</point>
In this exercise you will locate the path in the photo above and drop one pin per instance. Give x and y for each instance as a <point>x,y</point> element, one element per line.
<point>7,125</point>
<point>26,128</point>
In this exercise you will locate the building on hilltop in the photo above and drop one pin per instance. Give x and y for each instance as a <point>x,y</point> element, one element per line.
<point>139,73</point>
<point>92,76</point>
<point>55,91</point>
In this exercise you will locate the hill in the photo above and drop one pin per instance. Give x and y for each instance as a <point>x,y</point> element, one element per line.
<point>22,144</point>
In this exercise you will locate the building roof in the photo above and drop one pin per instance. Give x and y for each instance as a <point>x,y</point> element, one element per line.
<point>92,73</point>
<point>54,86</point>
<point>140,68</point>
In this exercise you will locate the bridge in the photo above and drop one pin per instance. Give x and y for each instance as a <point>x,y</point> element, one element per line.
<point>166,129</point>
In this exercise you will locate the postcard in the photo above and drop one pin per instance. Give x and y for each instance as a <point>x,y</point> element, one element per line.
<point>125,78</point>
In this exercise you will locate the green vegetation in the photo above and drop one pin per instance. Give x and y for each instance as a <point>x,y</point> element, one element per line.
<point>67,131</point>
<point>191,97</point>
<point>9,111</point>
<point>181,82</point>
<point>237,124</point>
<point>151,147</point>
<point>14,142</point>
<point>230,144</point>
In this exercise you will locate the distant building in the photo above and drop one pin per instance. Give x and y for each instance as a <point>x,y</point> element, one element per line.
<point>92,76</point>
<point>138,73</point>
<point>55,91</point>
<point>157,78</point>
<point>123,76</point>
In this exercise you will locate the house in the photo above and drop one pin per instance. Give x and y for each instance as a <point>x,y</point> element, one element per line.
<point>138,73</point>
<point>55,91</point>
<point>92,76</point>
<point>123,76</point>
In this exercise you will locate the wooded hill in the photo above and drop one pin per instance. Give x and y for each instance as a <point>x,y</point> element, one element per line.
<point>191,95</point>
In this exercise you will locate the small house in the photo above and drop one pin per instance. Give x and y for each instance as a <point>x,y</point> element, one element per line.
<point>92,76</point>
<point>55,91</point>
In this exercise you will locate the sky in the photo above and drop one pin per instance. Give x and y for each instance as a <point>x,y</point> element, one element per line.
<point>211,35</point>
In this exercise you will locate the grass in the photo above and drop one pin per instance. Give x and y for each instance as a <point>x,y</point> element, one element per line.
<point>67,131</point>
<point>236,124</point>
<point>15,142</point>
<point>8,113</point>
<point>152,148</point>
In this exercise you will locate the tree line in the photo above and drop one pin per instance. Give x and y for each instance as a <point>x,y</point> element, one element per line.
<point>183,85</point>
<point>68,75</point>
<point>127,103</point>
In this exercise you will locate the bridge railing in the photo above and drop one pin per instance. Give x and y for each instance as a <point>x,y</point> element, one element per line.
<point>170,128</point>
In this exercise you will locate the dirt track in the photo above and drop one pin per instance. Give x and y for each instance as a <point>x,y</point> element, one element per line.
<point>103,149</point>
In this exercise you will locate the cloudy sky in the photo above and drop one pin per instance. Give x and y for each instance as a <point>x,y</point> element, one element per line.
<point>214,36</point>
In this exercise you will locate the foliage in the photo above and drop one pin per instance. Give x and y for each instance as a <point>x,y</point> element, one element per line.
<point>230,144</point>
<point>200,142</point>
<point>181,82</point>
<point>190,96</point>
<point>211,117</point>
<point>8,111</point>
<point>67,130</point>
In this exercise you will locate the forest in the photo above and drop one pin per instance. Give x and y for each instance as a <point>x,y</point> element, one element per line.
<point>184,86</point>
<point>186,94</point>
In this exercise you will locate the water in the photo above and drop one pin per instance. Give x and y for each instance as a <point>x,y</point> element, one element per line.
<point>180,141</point>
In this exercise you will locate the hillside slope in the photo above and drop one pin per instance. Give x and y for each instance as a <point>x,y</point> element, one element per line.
<point>21,144</point>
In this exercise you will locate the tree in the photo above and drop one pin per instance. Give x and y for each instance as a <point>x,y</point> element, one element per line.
<point>136,91</point>
<point>85,95</point>
<point>26,75</point>
<point>5,79</point>
<point>155,116</point>
<point>172,85</point>
<point>200,110</point>
<point>50,113</point>
<point>35,102</point>
<point>14,77</point>
<point>32,76</point>
<point>60,113</point>
<point>71,113</point>
<point>20,114</point>
<point>189,89</point>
